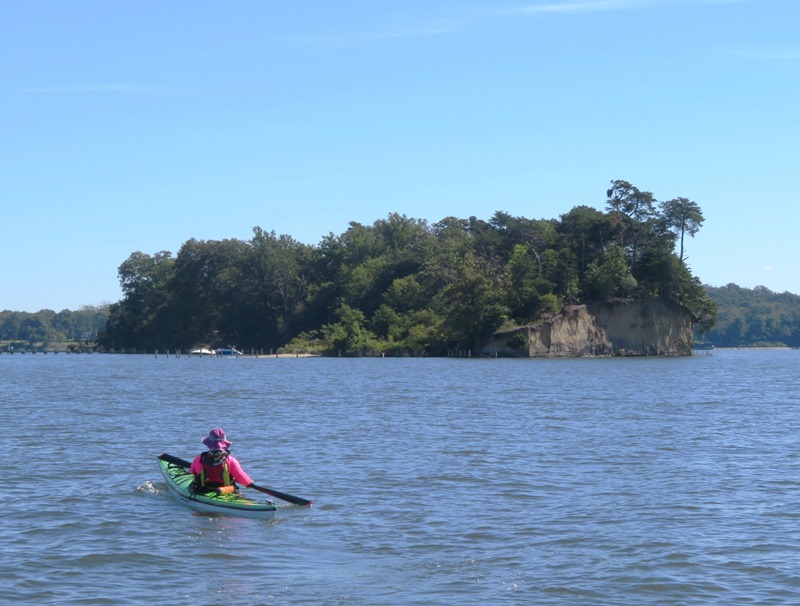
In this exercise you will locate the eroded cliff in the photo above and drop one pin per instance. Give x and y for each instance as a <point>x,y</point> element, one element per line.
<point>633,328</point>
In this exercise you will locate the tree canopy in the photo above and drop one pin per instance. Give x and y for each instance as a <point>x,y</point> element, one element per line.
<point>402,286</point>
<point>756,316</point>
<point>45,327</point>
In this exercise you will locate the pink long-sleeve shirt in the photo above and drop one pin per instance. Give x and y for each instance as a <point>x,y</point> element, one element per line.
<point>234,468</point>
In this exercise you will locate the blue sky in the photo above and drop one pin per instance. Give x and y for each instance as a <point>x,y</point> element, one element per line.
<point>137,126</point>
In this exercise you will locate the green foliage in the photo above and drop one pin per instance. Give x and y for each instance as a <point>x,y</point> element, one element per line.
<point>307,343</point>
<point>684,217</point>
<point>585,232</point>
<point>527,282</point>
<point>142,318</point>
<point>403,287</point>
<point>633,211</point>
<point>42,329</point>
<point>691,294</point>
<point>754,316</point>
<point>610,276</point>
<point>349,336</point>
<point>549,303</point>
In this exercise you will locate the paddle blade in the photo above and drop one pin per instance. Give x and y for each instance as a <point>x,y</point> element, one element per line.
<point>174,460</point>
<point>283,496</point>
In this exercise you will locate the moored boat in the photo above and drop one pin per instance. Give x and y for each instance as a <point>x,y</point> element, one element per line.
<point>179,481</point>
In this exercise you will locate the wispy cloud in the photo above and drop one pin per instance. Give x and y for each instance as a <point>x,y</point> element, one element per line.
<point>587,6</point>
<point>436,27</point>
<point>421,30</point>
<point>446,26</point>
<point>93,88</point>
<point>772,54</point>
<point>574,7</point>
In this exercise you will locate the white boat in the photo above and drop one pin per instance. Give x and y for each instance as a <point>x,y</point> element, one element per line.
<point>201,352</point>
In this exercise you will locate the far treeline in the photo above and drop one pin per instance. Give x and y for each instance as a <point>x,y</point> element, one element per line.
<point>754,317</point>
<point>403,287</point>
<point>76,330</point>
<point>746,317</point>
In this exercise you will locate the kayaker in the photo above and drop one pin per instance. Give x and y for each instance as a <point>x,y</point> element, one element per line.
<point>217,467</point>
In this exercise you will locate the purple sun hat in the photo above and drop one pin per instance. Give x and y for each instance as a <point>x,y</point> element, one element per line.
<point>216,439</point>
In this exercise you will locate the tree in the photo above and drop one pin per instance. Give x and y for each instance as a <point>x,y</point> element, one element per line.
<point>525,275</point>
<point>402,234</point>
<point>206,289</point>
<point>634,212</point>
<point>611,277</point>
<point>683,216</point>
<point>585,231</point>
<point>486,238</point>
<point>405,294</point>
<point>275,286</point>
<point>349,335</point>
<point>34,329</point>
<point>473,305</point>
<point>659,272</point>
<point>694,297</point>
<point>141,318</point>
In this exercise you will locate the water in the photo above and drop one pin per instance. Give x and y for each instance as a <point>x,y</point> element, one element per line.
<point>434,481</point>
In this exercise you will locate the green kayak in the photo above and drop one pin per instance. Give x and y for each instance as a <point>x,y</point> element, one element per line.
<point>179,481</point>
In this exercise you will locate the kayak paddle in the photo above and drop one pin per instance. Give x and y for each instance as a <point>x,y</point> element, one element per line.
<point>270,491</point>
<point>282,495</point>
<point>174,460</point>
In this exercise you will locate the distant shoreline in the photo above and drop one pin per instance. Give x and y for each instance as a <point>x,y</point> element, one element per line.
<point>173,354</point>
<point>156,354</point>
<point>749,348</point>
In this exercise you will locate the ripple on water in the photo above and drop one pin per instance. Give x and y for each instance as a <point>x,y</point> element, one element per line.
<point>434,481</point>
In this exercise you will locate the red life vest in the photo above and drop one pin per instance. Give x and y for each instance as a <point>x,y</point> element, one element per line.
<point>215,470</point>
